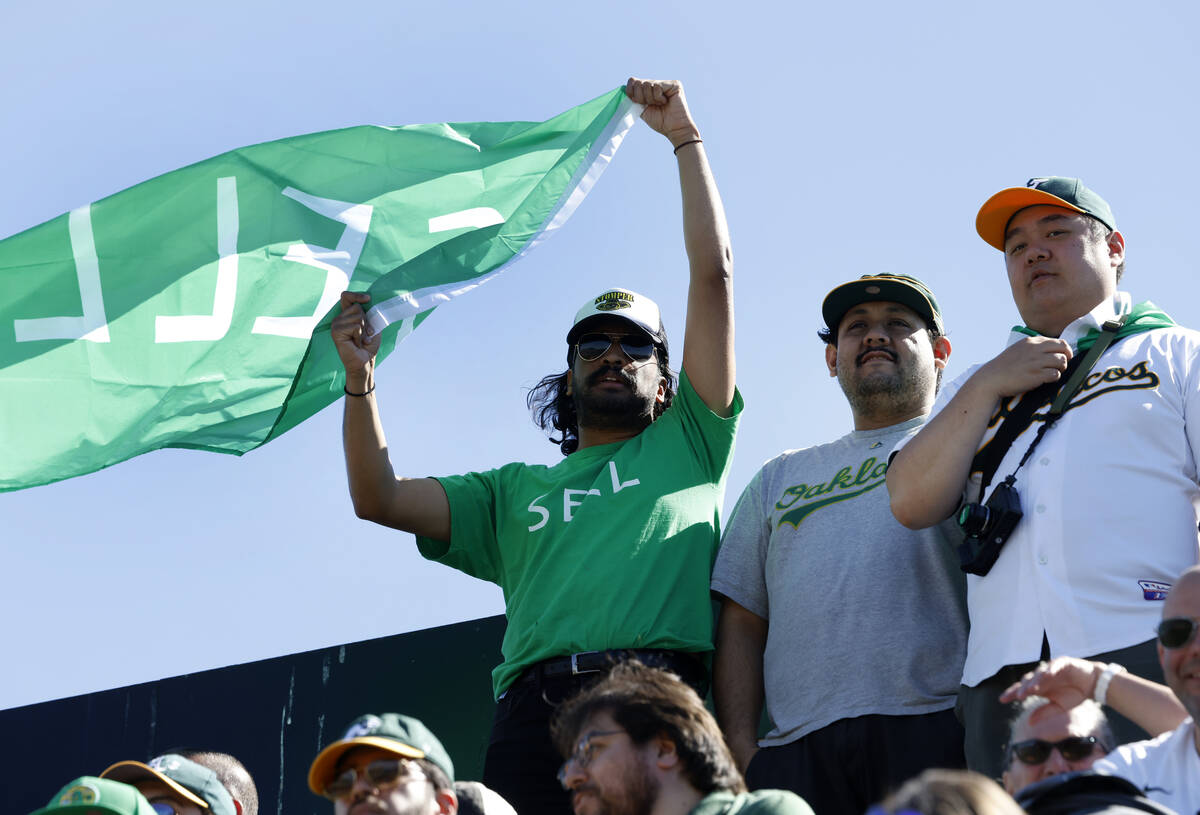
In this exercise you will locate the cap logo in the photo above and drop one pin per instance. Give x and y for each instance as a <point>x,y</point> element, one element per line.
<point>363,726</point>
<point>872,290</point>
<point>164,763</point>
<point>1036,182</point>
<point>79,794</point>
<point>614,300</point>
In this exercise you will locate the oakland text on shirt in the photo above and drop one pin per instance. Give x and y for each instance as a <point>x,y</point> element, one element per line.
<point>572,498</point>
<point>846,484</point>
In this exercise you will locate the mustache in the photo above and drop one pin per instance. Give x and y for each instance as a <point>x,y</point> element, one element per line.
<point>609,370</point>
<point>858,360</point>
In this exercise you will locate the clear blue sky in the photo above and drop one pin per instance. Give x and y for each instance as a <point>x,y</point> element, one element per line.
<point>846,139</point>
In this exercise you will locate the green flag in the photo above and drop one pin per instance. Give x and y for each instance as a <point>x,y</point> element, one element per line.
<point>193,310</point>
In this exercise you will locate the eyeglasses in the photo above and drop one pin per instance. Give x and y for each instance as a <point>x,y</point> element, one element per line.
<point>1072,748</point>
<point>585,751</point>
<point>638,347</point>
<point>379,773</point>
<point>1176,632</point>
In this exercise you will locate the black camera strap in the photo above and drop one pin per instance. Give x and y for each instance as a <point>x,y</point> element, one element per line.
<point>1016,422</point>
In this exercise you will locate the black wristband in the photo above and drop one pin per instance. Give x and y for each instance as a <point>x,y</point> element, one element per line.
<point>364,393</point>
<point>686,143</point>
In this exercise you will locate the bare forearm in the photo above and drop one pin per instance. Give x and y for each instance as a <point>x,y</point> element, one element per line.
<point>1149,705</point>
<point>709,352</point>
<point>738,678</point>
<point>416,505</point>
<point>926,478</point>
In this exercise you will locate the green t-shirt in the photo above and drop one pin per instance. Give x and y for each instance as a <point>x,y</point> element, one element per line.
<point>762,802</point>
<point>612,547</point>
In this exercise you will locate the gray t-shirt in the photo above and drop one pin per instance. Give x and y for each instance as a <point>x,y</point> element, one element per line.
<point>865,616</point>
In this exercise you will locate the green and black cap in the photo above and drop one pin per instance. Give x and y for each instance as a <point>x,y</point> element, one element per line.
<point>992,221</point>
<point>893,288</point>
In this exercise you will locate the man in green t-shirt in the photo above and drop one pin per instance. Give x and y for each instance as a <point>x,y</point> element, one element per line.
<point>608,553</point>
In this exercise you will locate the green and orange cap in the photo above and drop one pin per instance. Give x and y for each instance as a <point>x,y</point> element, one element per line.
<point>992,221</point>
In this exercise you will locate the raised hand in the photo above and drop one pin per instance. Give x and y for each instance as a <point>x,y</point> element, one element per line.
<point>1065,681</point>
<point>355,346</point>
<point>666,108</point>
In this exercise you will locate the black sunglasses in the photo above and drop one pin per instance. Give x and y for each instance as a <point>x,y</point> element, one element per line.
<point>1072,748</point>
<point>379,773</point>
<point>1176,632</point>
<point>638,347</point>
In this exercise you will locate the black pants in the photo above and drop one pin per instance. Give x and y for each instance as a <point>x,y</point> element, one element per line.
<point>987,722</point>
<point>845,767</point>
<point>521,762</point>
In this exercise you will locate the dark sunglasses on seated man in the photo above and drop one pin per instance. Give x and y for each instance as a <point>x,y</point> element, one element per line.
<point>637,347</point>
<point>1072,748</point>
<point>1176,632</point>
<point>379,773</point>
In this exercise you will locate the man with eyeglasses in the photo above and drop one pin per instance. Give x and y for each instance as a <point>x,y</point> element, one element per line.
<point>641,742</point>
<point>813,563</point>
<point>1071,457</point>
<point>1047,740</point>
<point>387,764</point>
<point>606,554</point>
<point>175,785</point>
<point>1166,768</point>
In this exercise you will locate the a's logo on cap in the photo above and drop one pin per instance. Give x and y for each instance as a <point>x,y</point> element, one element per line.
<point>363,726</point>
<point>613,300</point>
<point>164,763</point>
<point>1036,182</point>
<point>872,290</point>
<point>79,794</point>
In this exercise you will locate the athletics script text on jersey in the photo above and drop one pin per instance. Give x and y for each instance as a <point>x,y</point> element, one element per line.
<point>800,500</point>
<point>1098,383</point>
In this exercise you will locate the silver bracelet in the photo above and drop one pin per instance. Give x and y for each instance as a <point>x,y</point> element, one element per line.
<point>1101,692</point>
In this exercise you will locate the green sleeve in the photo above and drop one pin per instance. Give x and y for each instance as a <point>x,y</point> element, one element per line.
<point>711,436</point>
<point>472,547</point>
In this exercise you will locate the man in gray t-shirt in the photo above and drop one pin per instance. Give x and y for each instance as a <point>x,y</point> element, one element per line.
<point>852,627</point>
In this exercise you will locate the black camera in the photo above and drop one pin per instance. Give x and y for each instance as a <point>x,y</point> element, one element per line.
<point>987,526</point>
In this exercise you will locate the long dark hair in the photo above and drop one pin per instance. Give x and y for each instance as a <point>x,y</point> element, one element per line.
<point>553,408</point>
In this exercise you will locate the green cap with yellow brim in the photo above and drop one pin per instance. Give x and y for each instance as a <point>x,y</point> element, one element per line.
<point>97,796</point>
<point>992,221</point>
<point>394,733</point>
<point>193,782</point>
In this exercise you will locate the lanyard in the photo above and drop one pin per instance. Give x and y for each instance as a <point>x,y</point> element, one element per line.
<point>1108,332</point>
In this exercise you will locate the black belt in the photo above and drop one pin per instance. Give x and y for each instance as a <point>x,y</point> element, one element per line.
<point>688,665</point>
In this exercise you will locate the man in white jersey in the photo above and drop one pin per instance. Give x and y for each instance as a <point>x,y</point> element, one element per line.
<point>1107,491</point>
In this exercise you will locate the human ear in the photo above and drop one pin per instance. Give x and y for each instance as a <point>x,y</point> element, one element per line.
<point>1116,248</point>
<point>831,358</point>
<point>447,802</point>
<point>941,352</point>
<point>570,382</point>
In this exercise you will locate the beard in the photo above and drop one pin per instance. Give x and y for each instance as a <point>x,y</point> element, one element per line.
<point>900,389</point>
<point>636,795</point>
<point>613,410</point>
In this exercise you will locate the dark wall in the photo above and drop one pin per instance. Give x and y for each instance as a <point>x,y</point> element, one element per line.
<point>274,715</point>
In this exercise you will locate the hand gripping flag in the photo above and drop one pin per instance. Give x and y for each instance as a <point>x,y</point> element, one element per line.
<point>193,310</point>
